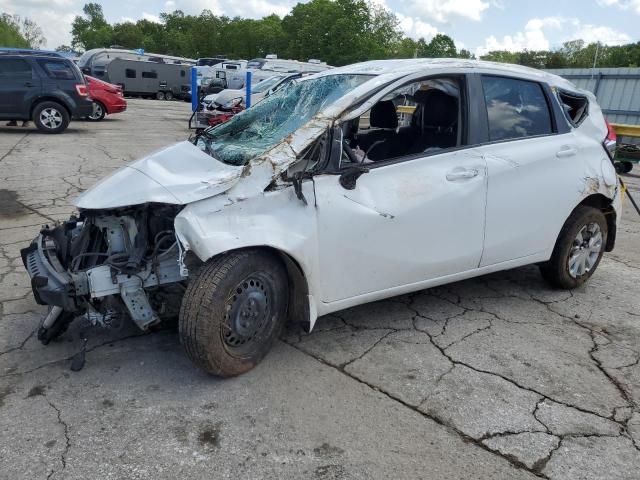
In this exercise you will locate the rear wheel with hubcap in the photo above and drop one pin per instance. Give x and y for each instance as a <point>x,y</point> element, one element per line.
<point>578,250</point>
<point>233,311</point>
<point>98,112</point>
<point>50,117</point>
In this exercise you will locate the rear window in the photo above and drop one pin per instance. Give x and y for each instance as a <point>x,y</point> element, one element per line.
<point>515,108</point>
<point>575,107</point>
<point>57,69</point>
<point>15,69</point>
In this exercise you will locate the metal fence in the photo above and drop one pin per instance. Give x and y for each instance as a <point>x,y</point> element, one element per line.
<point>617,90</point>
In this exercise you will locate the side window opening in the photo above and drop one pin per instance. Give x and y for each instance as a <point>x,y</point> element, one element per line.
<point>575,106</point>
<point>130,73</point>
<point>151,74</point>
<point>515,108</point>
<point>57,69</point>
<point>423,117</point>
<point>15,69</point>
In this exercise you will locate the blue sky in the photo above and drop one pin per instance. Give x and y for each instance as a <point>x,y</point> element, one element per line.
<point>478,25</point>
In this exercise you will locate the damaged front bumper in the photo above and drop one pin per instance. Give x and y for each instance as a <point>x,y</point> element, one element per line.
<point>66,274</point>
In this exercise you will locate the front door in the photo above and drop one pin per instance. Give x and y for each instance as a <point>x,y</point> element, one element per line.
<point>403,223</point>
<point>18,83</point>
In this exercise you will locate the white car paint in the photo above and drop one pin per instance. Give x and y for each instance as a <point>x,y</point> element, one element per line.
<point>405,226</point>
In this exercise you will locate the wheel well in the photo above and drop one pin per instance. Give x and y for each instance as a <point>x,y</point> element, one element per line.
<point>298,308</point>
<point>604,204</point>
<point>48,99</point>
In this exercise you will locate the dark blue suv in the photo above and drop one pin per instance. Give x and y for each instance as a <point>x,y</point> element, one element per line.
<point>44,87</point>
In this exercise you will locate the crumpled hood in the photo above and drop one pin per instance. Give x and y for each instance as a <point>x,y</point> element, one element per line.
<point>179,174</point>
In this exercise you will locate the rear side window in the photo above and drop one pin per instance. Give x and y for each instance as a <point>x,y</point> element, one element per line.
<point>57,69</point>
<point>575,107</point>
<point>149,75</point>
<point>15,69</point>
<point>130,73</point>
<point>515,108</point>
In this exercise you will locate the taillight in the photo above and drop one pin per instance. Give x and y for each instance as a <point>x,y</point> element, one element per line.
<point>610,140</point>
<point>611,132</point>
<point>82,90</point>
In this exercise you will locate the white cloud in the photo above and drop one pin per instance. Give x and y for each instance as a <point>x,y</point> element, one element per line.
<point>443,11</point>
<point>622,4</point>
<point>602,34</point>
<point>151,17</point>
<point>416,28</point>
<point>534,35</point>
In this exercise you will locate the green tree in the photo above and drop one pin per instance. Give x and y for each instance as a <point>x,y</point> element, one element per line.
<point>91,30</point>
<point>10,35</point>
<point>20,32</point>
<point>440,46</point>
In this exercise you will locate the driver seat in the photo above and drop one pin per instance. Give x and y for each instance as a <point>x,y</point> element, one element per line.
<point>384,124</point>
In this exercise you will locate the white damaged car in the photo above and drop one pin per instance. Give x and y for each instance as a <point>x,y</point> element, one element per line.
<point>352,185</point>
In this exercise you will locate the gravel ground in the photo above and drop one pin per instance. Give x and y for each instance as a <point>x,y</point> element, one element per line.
<point>495,377</point>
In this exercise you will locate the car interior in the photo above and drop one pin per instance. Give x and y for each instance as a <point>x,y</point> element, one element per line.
<point>421,117</point>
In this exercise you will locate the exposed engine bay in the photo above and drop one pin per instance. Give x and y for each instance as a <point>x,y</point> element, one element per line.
<point>107,264</point>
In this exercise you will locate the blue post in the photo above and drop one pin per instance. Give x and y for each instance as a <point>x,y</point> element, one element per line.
<point>247,83</point>
<point>194,89</point>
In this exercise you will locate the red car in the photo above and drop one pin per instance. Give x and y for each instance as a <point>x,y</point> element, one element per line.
<point>107,98</point>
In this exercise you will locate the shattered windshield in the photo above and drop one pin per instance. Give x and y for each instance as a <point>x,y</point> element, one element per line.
<point>263,126</point>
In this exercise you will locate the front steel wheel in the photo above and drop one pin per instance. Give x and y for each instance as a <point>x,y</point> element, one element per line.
<point>233,311</point>
<point>578,250</point>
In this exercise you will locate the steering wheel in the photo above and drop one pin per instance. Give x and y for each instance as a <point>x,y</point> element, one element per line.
<point>374,145</point>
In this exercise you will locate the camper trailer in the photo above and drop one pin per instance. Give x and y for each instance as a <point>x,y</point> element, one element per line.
<point>94,62</point>
<point>163,81</point>
<point>275,64</point>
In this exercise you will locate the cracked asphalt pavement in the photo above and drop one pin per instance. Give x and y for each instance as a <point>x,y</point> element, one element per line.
<point>499,377</point>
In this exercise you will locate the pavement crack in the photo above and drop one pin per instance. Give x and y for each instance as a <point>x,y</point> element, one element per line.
<point>65,429</point>
<point>344,365</point>
<point>22,344</point>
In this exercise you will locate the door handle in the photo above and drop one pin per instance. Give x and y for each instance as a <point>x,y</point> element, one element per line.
<point>462,174</point>
<point>566,151</point>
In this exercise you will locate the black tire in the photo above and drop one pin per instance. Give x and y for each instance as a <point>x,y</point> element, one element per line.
<point>51,117</point>
<point>627,166</point>
<point>233,311</point>
<point>160,96</point>
<point>99,111</point>
<point>556,271</point>
<point>168,96</point>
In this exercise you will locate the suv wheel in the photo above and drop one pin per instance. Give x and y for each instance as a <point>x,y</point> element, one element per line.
<point>233,311</point>
<point>578,250</point>
<point>51,117</point>
<point>98,112</point>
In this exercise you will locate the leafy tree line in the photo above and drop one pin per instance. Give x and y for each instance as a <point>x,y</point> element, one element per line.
<point>573,54</point>
<point>336,31</point>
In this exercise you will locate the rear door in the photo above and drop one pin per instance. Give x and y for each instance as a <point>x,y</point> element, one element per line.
<point>18,84</point>
<point>531,169</point>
